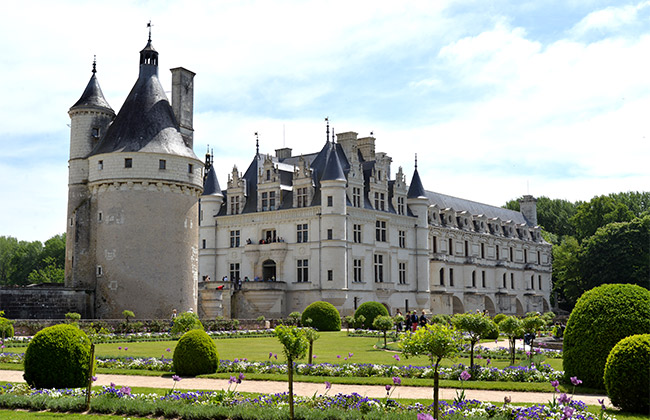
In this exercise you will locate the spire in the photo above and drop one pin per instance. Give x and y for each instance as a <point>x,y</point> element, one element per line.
<point>416,189</point>
<point>257,144</point>
<point>211,184</point>
<point>93,95</point>
<point>148,57</point>
<point>327,121</point>
<point>333,170</point>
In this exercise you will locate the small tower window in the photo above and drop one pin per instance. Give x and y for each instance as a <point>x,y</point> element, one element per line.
<point>100,165</point>
<point>95,132</point>
<point>128,163</point>
<point>330,275</point>
<point>330,201</point>
<point>330,234</point>
<point>100,272</point>
<point>99,216</point>
<point>190,168</point>
<point>162,164</point>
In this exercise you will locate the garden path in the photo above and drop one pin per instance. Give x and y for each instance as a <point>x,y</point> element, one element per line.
<point>309,389</point>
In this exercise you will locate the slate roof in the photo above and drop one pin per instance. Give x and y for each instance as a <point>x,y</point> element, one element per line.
<point>211,184</point>
<point>459,204</point>
<point>92,96</point>
<point>416,189</point>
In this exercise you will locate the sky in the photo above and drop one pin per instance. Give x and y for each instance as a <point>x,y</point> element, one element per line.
<point>497,98</point>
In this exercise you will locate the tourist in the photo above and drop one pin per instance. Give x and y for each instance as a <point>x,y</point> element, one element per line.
<point>407,320</point>
<point>423,319</point>
<point>398,325</point>
<point>414,320</point>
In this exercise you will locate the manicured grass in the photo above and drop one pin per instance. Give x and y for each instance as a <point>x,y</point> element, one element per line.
<point>46,415</point>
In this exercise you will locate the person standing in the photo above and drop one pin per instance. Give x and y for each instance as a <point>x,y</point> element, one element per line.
<point>414,320</point>
<point>423,319</point>
<point>398,325</point>
<point>407,320</point>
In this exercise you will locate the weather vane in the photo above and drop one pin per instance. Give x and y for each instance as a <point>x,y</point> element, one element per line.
<point>149,25</point>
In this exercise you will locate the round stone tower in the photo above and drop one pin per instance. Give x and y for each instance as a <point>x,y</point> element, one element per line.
<point>90,116</point>
<point>144,182</point>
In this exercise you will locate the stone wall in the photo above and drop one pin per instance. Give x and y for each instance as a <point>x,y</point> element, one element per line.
<point>45,302</point>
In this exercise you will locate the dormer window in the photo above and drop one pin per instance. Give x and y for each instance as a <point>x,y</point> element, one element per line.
<point>268,175</point>
<point>268,200</point>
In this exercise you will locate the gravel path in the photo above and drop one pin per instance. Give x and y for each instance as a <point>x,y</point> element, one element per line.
<point>309,389</point>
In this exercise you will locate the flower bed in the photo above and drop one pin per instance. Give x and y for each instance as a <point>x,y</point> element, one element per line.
<point>230,404</point>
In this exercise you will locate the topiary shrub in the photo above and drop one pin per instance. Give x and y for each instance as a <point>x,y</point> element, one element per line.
<point>58,357</point>
<point>370,310</point>
<point>601,318</point>
<point>195,354</point>
<point>627,374</point>
<point>323,315</point>
<point>185,322</point>
<point>6,327</point>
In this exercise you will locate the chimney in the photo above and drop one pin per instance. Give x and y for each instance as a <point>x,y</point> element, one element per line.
<point>366,146</point>
<point>183,102</point>
<point>528,207</point>
<point>348,141</point>
<point>283,153</point>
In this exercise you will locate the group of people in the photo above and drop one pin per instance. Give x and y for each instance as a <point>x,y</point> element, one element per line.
<point>412,320</point>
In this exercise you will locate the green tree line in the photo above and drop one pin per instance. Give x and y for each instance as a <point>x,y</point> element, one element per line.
<point>23,262</point>
<point>604,240</point>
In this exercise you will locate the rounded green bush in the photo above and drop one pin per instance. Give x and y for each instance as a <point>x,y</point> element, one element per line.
<point>324,316</point>
<point>499,317</point>
<point>6,327</point>
<point>493,331</point>
<point>627,374</point>
<point>195,354</point>
<point>185,322</point>
<point>601,318</point>
<point>370,310</point>
<point>58,357</point>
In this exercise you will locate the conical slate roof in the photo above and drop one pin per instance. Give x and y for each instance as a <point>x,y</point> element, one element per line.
<point>146,122</point>
<point>92,96</point>
<point>416,189</point>
<point>333,169</point>
<point>211,184</point>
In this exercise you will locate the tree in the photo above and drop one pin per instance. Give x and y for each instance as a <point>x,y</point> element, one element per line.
<point>475,326</point>
<point>437,341</point>
<point>512,327</point>
<point>637,202</point>
<point>531,325</point>
<point>50,273</point>
<point>294,345</point>
<point>617,253</point>
<point>383,323</point>
<point>598,212</point>
<point>567,284</point>
<point>311,335</point>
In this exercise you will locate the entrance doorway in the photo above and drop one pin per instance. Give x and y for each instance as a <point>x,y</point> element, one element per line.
<point>268,270</point>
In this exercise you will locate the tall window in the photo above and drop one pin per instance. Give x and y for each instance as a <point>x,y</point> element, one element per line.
<point>511,255</point>
<point>380,231</point>
<point>356,233</point>
<point>268,200</point>
<point>402,273</point>
<point>234,204</point>
<point>525,256</point>
<point>234,239</point>
<point>301,195</point>
<point>356,274</point>
<point>512,280</point>
<point>302,233</point>
<point>539,282</point>
<point>302,274</point>
<point>466,248</point>
<point>356,196</point>
<point>451,246</point>
<point>380,199</point>
<point>497,252</point>
<point>400,206</point>
<point>330,201</point>
<point>402,239</point>
<point>483,278</point>
<point>451,277</point>
<point>473,278</point>
<point>482,250</point>
<point>162,164</point>
<point>504,281</point>
<point>434,244</point>
<point>442,276</point>
<point>330,234</point>
<point>234,271</point>
<point>330,275</point>
<point>379,268</point>
<point>532,282</point>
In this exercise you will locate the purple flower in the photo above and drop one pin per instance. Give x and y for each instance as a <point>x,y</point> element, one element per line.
<point>602,404</point>
<point>396,357</point>
<point>388,387</point>
<point>119,348</point>
<point>314,356</point>
<point>555,385</point>
<point>240,378</point>
<point>232,380</point>
<point>465,375</point>
<point>176,378</point>
<point>94,378</point>
<point>564,399</point>
<point>338,356</point>
<point>276,356</point>
<point>350,354</point>
<point>397,380</point>
<point>126,348</point>
<point>112,384</point>
<point>488,361</point>
<point>169,350</point>
<point>270,354</point>
<point>328,385</point>
<point>575,381</point>
<point>567,412</point>
<point>425,416</point>
<point>126,390</point>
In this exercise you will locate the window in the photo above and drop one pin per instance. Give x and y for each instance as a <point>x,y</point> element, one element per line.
<point>190,168</point>
<point>379,268</point>
<point>525,255</point>
<point>400,205</point>
<point>532,282</point>
<point>402,239</point>
<point>301,197</point>
<point>402,273</point>
<point>451,247</point>
<point>99,216</point>
<point>330,275</point>
<point>466,249</point>
<point>441,274</point>
<point>203,244</point>
<point>303,271</point>
<point>100,165</point>
<point>380,201</point>
<point>483,278</point>
<point>482,250</point>
<point>451,277</point>
<point>234,239</point>
<point>511,254</point>
<point>434,244</point>
<point>162,164</point>
<point>268,200</point>
<point>356,233</point>
<point>269,235</point>
<point>329,234</point>
<point>512,280</point>
<point>234,271</point>
<point>356,271</point>
<point>380,231</point>
<point>539,258</point>
<point>95,132</point>
<point>504,281</point>
<point>302,233</point>
<point>473,278</point>
<point>497,252</point>
<point>128,163</point>
<point>234,204</point>
<point>268,175</point>
<point>100,272</point>
<point>539,282</point>
<point>356,196</point>
<point>330,201</point>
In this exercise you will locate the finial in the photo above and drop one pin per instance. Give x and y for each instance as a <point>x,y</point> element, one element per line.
<point>257,144</point>
<point>416,161</point>
<point>212,156</point>
<point>333,135</point>
<point>149,25</point>
<point>327,121</point>
<point>94,64</point>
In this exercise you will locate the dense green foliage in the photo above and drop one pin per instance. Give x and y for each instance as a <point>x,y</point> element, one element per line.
<point>383,323</point>
<point>58,357</point>
<point>23,262</point>
<point>324,316</point>
<point>602,317</point>
<point>370,310</point>
<point>185,322</point>
<point>513,328</point>
<point>195,354</point>
<point>475,327</point>
<point>627,374</point>
<point>6,328</point>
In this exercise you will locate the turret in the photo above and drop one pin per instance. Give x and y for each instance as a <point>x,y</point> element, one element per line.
<point>418,203</point>
<point>211,202</point>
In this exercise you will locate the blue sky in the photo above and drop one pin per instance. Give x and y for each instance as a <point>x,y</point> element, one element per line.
<point>498,99</point>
